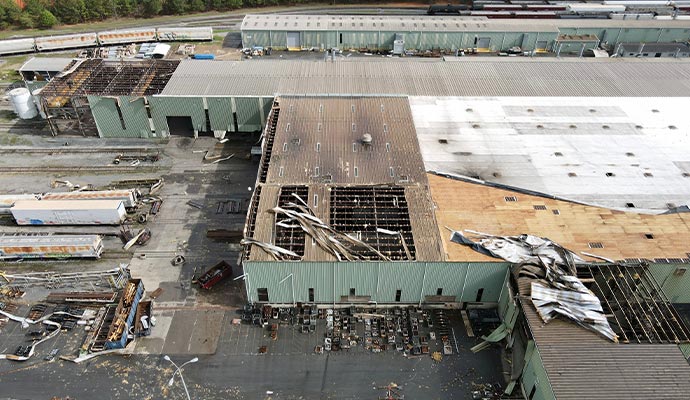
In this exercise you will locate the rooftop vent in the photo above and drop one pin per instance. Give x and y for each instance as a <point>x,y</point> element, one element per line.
<point>510,199</point>
<point>540,207</point>
<point>595,245</point>
<point>367,139</point>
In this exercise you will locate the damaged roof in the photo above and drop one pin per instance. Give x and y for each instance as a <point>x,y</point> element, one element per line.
<point>583,365</point>
<point>355,168</point>
<point>609,233</point>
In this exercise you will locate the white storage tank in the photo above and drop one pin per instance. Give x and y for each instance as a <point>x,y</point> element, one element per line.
<point>68,212</point>
<point>37,102</point>
<point>23,103</point>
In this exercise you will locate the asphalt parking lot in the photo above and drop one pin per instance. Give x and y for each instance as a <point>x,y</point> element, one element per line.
<point>191,321</point>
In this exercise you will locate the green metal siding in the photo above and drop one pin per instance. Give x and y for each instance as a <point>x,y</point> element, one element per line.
<point>163,107</point>
<point>685,349</point>
<point>110,125</point>
<point>220,113</point>
<point>676,286</point>
<point>378,280</point>
<point>34,85</point>
<point>489,276</point>
<point>278,40</point>
<point>534,375</point>
<point>249,113</point>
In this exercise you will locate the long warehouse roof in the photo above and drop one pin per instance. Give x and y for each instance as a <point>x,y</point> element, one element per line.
<point>293,22</point>
<point>469,76</point>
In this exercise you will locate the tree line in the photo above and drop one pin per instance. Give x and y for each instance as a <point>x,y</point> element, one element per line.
<point>48,13</point>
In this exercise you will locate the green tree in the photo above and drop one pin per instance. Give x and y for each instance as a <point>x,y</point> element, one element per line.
<point>175,7</point>
<point>9,13</point>
<point>196,6</point>
<point>69,11</point>
<point>151,7</point>
<point>125,8</point>
<point>47,20</point>
<point>97,10</point>
<point>25,20</point>
<point>224,5</point>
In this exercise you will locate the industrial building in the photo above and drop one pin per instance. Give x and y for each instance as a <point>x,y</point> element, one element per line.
<point>563,36</point>
<point>653,50</point>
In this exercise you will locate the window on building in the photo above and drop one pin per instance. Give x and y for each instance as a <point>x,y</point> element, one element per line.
<point>352,291</point>
<point>439,291</point>
<point>398,294</point>
<point>311,294</point>
<point>263,294</point>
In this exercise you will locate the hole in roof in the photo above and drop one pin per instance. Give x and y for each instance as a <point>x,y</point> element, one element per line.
<point>638,126</point>
<point>655,110</point>
<point>686,175</point>
<point>496,174</point>
<point>572,174</point>
<point>672,127</point>
<point>540,126</point>
<point>605,126</point>
<point>630,205</point>
<point>610,174</point>
<point>592,110</point>
<point>648,175</point>
<point>530,110</point>
<point>630,154</point>
<point>443,141</point>
<point>573,126</point>
<point>475,126</point>
<point>558,154</point>
<point>468,110</point>
<point>648,236</point>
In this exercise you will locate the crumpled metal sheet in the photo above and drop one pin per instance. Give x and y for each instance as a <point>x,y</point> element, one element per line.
<point>555,288</point>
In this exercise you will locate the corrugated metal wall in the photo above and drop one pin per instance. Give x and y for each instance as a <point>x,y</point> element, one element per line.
<point>534,376</point>
<point>450,40</point>
<point>163,107</point>
<point>674,280</point>
<point>249,110</point>
<point>220,113</point>
<point>131,121</point>
<point>378,280</point>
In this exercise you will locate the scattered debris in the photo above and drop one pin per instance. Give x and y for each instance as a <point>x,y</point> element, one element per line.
<point>437,356</point>
<point>223,159</point>
<point>178,260</point>
<point>555,287</point>
<point>195,204</point>
<point>156,293</point>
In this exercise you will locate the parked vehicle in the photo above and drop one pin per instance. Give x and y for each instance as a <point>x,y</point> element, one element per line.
<point>215,274</point>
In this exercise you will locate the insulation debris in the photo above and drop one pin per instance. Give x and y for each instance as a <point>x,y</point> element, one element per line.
<point>551,272</point>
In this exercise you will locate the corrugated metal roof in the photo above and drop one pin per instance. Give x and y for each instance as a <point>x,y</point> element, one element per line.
<point>582,365</point>
<point>293,22</point>
<point>45,64</point>
<point>319,137</point>
<point>603,151</point>
<point>468,76</point>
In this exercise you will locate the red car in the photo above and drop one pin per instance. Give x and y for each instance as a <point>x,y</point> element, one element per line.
<point>215,275</point>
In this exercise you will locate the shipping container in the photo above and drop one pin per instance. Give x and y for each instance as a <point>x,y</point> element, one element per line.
<point>15,46</point>
<point>8,200</point>
<point>66,41</point>
<point>50,246</point>
<point>204,56</point>
<point>69,212</point>
<point>595,8</point>
<point>185,34</point>
<point>128,196</point>
<point>127,36</point>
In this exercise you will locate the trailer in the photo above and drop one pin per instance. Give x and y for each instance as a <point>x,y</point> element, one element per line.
<point>66,41</point>
<point>129,197</point>
<point>185,34</point>
<point>127,36</point>
<point>8,200</point>
<point>16,46</point>
<point>215,274</point>
<point>68,212</point>
<point>14,247</point>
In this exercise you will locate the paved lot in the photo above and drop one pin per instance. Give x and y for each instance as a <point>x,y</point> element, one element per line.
<point>195,322</point>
